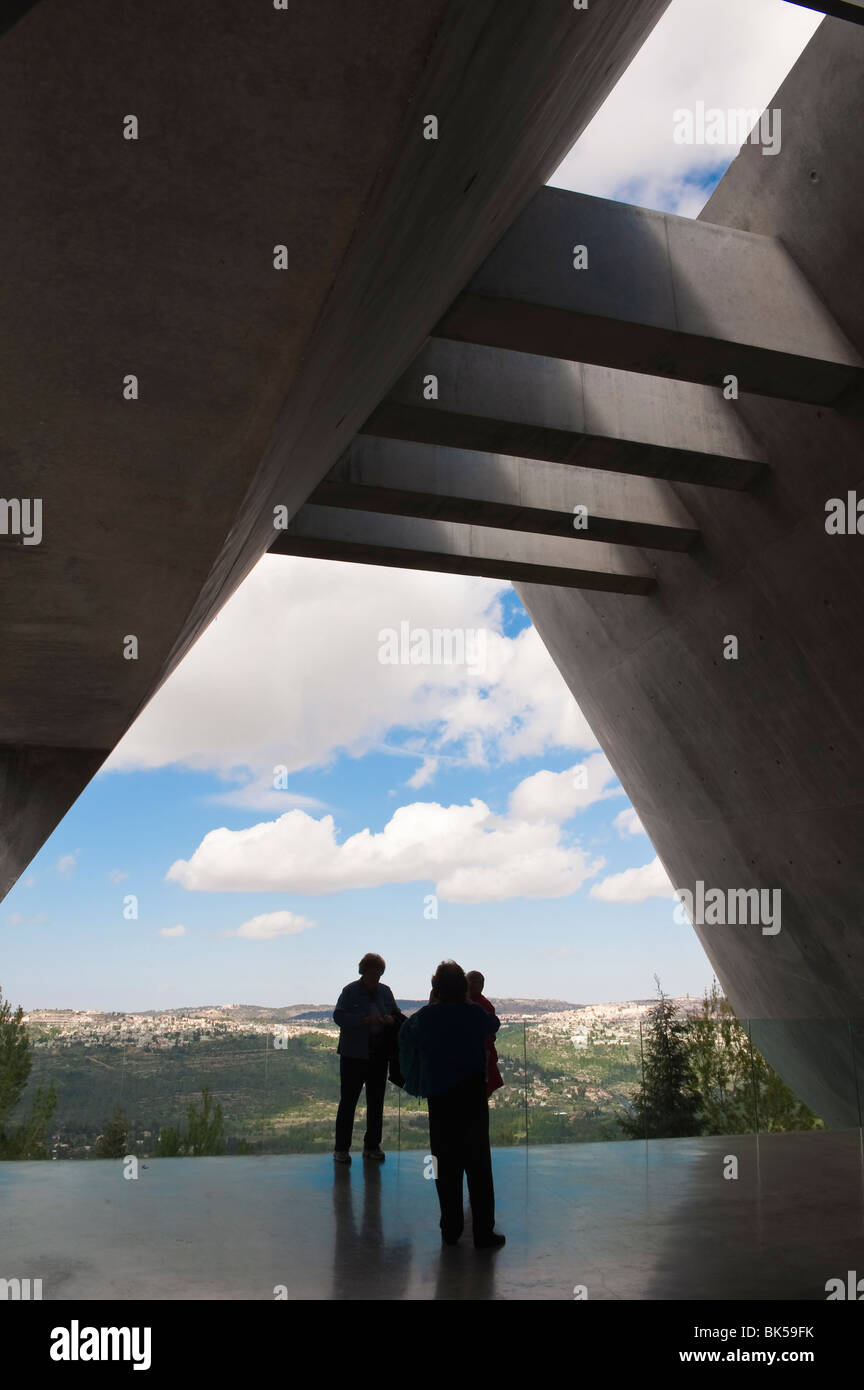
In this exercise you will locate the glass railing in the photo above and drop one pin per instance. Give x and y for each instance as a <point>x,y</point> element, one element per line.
<point>562,1084</point>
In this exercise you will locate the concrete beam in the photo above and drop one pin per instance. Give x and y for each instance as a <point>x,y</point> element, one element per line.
<point>537,407</point>
<point>60,774</point>
<point>752,771</point>
<point>13,10</point>
<point>502,79</point>
<point>366,538</point>
<point>663,295</point>
<point>839,9</point>
<point>492,490</point>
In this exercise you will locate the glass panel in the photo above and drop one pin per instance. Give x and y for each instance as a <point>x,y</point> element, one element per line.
<point>581,1081</point>
<point>507,1115</point>
<point>805,1060</point>
<point>561,1084</point>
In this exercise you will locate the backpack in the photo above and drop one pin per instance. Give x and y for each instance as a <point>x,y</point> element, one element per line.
<point>409,1059</point>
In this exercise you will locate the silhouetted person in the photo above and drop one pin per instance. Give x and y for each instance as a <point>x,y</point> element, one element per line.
<point>448,1036</point>
<point>475,993</point>
<point>366,1013</point>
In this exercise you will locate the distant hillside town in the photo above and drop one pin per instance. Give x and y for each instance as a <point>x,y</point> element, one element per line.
<point>159,1029</point>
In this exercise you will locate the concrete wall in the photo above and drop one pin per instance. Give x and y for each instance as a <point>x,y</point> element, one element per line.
<point>751,772</point>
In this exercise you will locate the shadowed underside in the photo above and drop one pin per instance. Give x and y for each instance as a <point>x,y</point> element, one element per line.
<point>154,257</point>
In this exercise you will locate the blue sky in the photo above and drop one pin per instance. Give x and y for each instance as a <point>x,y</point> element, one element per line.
<point>465,778</point>
<point>76,949</point>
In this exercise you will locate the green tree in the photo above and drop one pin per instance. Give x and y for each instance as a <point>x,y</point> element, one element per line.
<point>733,1078</point>
<point>204,1133</point>
<point>169,1143</point>
<point>28,1139</point>
<point>112,1144</point>
<point>667,1101</point>
<point>205,1127</point>
<point>779,1107</point>
<point>721,1061</point>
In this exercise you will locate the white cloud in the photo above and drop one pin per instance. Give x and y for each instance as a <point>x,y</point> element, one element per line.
<point>471,854</point>
<point>753,44</point>
<point>18,919</point>
<point>67,863</point>
<point>557,796</point>
<point>258,794</point>
<point>288,675</point>
<point>270,925</point>
<point>172,931</point>
<point>634,885</point>
<point>628,823</point>
<point>425,773</point>
<point>29,882</point>
<point>117,875</point>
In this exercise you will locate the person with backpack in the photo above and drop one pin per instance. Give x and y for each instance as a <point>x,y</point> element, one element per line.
<point>442,1055</point>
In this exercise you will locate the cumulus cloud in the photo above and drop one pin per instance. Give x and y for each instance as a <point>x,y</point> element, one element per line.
<point>172,931</point>
<point>117,875</point>
<point>753,45</point>
<point>67,863</point>
<point>270,925</point>
<point>634,885</point>
<point>471,854</point>
<point>556,796</point>
<point>628,823</point>
<point>289,676</point>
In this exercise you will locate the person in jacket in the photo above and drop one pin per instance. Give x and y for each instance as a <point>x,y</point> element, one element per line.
<point>475,993</point>
<point>366,1013</point>
<point>444,1046</point>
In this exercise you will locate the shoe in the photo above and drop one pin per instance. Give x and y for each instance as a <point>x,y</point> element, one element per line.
<point>341,1156</point>
<point>493,1241</point>
<point>449,1240</point>
<point>378,1154</point>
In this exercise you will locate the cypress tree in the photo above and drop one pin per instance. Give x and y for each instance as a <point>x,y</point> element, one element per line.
<point>667,1102</point>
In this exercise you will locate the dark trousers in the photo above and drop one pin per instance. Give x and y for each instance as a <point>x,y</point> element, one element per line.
<point>459,1140</point>
<point>354,1074</point>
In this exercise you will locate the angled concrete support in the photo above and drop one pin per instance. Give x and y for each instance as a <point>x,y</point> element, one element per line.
<point>37,787</point>
<point>539,407</point>
<point>492,490</point>
<point>750,771</point>
<point>365,538</point>
<point>839,9</point>
<point>658,294</point>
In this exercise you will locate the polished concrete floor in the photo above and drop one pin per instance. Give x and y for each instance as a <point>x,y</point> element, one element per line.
<point>626,1220</point>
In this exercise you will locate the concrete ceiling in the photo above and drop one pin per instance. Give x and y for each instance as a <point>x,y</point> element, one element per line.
<point>154,257</point>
